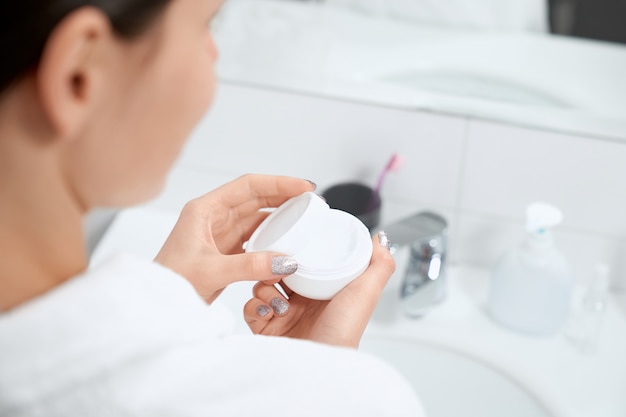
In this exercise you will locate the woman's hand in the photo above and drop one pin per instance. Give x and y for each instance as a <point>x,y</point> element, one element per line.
<point>206,244</point>
<point>340,321</point>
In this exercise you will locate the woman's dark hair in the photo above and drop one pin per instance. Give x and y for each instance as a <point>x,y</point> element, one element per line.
<point>26,24</point>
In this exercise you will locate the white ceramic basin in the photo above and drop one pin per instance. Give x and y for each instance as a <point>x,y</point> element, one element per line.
<point>451,384</point>
<point>535,79</point>
<point>527,69</point>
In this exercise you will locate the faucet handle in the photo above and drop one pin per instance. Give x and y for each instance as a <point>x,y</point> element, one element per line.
<point>423,283</point>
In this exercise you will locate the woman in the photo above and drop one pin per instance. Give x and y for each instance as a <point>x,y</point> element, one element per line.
<point>96,100</point>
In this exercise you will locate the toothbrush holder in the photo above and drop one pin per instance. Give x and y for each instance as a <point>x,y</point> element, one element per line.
<point>360,200</point>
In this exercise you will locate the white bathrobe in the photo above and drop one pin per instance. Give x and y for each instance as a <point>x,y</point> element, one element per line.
<point>131,338</point>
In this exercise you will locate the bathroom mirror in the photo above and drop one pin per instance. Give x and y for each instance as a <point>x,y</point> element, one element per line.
<point>555,65</point>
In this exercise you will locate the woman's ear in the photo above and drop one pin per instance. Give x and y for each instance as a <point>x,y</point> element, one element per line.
<point>70,74</point>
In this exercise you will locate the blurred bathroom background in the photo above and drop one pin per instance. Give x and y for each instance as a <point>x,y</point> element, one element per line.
<point>594,19</point>
<point>494,104</point>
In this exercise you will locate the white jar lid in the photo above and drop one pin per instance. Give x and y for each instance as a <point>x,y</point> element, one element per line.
<point>332,247</point>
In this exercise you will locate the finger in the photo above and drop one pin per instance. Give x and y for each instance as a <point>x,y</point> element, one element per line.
<point>369,286</point>
<point>249,224</point>
<point>382,264</point>
<point>232,241</point>
<point>250,193</point>
<point>355,304</point>
<point>257,314</point>
<point>270,295</point>
<point>252,266</point>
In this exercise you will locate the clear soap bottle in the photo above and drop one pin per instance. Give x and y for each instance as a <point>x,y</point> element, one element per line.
<point>531,285</point>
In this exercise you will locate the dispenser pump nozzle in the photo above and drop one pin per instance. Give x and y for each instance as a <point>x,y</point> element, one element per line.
<point>540,217</point>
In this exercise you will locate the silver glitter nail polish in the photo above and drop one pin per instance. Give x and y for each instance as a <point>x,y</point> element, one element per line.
<point>262,310</point>
<point>279,306</point>
<point>284,265</point>
<point>384,239</point>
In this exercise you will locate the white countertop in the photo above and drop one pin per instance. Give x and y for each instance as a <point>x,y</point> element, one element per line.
<point>567,382</point>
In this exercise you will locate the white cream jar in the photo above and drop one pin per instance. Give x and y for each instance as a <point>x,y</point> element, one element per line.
<point>332,247</point>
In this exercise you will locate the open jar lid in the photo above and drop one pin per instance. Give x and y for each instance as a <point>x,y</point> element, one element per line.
<point>286,228</point>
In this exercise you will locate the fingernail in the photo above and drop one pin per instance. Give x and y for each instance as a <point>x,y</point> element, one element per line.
<point>284,265</point>
<point>383,239</point>
<point>279,306</point>
<point>262,310</point>
<point>313,184</point>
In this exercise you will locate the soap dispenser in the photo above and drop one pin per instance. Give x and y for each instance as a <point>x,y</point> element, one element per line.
<point>531,285</point>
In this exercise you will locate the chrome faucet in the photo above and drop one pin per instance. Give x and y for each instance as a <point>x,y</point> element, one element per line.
<point>424,281</point>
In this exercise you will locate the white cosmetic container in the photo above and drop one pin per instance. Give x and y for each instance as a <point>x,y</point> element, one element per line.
<point>332,247</point>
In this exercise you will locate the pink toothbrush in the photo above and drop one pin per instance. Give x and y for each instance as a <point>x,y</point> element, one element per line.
<point>394,164</point>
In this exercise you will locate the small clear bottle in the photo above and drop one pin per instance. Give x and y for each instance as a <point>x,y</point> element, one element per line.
<point>586,322</point>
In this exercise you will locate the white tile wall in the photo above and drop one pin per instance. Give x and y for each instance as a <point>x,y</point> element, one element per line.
<point>264,131</point>
<point>482,240</point>
<point>507,167</point>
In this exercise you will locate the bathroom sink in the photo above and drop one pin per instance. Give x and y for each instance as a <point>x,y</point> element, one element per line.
<point>535,79</point>
<point>535,70</point>
<point>452,384</point>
